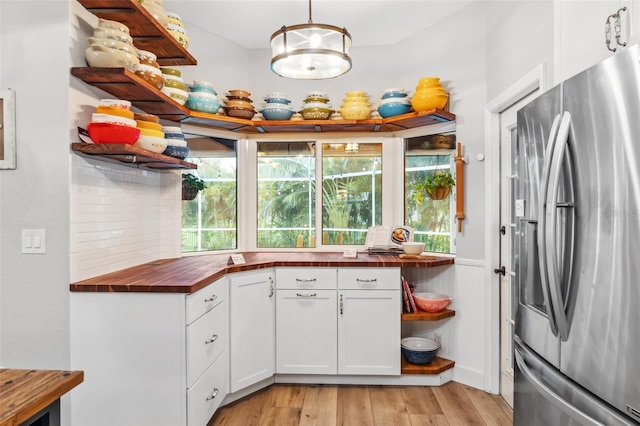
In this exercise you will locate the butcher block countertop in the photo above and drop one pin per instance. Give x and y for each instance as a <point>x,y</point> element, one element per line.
<point>189,274</point>
<point>24,393</point>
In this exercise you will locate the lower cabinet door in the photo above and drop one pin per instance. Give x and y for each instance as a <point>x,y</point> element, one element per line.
<point>369,332</point>
<point>306,327</point>
<point>206,395</point>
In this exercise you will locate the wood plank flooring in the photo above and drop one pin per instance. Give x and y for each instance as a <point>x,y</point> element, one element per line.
<point>451,404</point>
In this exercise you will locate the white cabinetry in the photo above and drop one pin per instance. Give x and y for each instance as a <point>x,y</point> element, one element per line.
<point>369,309</point>
<point>579,29</point>
<point>144,357</point>
<point>306,321</point>
<point>252,323</point>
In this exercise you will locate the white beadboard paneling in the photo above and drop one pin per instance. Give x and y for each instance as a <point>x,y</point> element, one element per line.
<point>121,216</point>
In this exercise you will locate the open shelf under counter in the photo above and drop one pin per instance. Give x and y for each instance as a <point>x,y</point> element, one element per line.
<point>124,84</point>
<point>147,32</point>
<point>129,154</point>
<point>428,316</point>
<point>437,366</point>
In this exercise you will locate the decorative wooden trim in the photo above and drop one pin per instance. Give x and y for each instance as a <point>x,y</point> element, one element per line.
<point>460,162</point>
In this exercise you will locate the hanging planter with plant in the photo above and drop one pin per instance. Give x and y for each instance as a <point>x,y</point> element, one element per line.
<point>191,185</point>
<point>437,186</point>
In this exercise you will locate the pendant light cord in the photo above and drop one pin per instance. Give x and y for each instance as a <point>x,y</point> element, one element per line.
<point>310,20</point>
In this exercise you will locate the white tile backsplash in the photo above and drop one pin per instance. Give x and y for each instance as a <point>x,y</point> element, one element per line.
<point>121,216</point>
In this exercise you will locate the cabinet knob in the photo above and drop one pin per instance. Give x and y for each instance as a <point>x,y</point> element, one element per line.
<point>213,394</point>
<point>213,339</point>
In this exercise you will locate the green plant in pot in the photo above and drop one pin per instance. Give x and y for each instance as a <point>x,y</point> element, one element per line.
<point>191,185</point>
<point>437,186</point>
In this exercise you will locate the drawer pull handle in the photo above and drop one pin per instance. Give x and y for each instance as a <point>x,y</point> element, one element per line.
<point>211,299</point>
<point>367,280</point>
<point>306,295</point>
<point>306,280</point>
<point>213,394</point>
<point>271,288</point>
<point>213,339</point>
<point>341,306</point>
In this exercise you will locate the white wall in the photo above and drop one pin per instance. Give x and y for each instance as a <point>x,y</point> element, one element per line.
<point>35,287</point>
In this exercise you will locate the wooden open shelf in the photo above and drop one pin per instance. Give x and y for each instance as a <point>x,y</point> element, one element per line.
<point>146,31</point>
<point>126,85</point>
<point>130,154</point>
<point>437,366</point>
<point>427,316</point>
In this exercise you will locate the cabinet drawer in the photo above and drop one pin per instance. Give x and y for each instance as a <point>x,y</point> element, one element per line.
<point>306,278</point>
<point>207,393</point>
<point>206,299</point>
<point>369,278</point>
<point>207,338</point>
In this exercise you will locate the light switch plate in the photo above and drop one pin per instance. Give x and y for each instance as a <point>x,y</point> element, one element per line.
<point>520,208</point>
<point>34,241</point>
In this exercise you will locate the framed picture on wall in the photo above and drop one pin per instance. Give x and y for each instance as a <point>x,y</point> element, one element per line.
<point>8,129</point>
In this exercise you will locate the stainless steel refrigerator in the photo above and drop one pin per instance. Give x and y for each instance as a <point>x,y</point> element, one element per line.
<point>577,258</point>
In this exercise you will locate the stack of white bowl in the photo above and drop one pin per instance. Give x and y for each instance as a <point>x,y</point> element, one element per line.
<point>156,9</point>
<point>111,46</point>
<point>175,26</point>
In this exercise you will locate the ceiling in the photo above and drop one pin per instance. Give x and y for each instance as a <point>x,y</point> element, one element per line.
<point>250,23</point>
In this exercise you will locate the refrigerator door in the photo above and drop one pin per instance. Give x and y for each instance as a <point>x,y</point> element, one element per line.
<point>538,123</point>
<point>601,351</point>
<point>543,396</point>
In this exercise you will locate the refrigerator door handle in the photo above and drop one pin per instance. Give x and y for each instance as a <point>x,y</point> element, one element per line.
<point>542,244</point>
<point>552,205</point>
<point>548,393</point>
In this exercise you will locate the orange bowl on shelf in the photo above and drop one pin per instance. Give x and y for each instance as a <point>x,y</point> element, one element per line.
<point>429,102</point>
<point>113,133</point>
<point>431,302</point>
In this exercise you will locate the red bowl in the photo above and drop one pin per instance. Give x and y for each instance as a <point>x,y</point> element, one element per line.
<point>112,133</point>
<point>431,302</point>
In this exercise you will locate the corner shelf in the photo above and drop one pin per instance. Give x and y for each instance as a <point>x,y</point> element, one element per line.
<point>146,31</point>
<point>124,84</point>
<point>428,316</point>
<point>130,154</point>
<point>437,366</point>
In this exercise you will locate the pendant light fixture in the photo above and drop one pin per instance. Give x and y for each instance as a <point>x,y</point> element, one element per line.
<point>310,51</point>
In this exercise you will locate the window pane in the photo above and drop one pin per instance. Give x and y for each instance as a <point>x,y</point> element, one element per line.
<point>209,222</point>
<point>351,192</point>
<point>430,219</point>
<point>286,194</point>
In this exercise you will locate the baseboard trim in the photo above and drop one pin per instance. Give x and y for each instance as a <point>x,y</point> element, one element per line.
<point>470,262</point>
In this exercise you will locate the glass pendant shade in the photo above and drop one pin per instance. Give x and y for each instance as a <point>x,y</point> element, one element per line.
<point>310,51</point>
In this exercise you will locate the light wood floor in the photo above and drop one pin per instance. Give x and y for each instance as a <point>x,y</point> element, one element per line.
<point>326,405</point>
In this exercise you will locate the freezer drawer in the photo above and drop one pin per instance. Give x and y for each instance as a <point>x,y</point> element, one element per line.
<point>545,397</point>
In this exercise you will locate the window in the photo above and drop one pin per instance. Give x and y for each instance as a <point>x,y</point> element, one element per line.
<point>431,220</point>
<point>210,221</point>
<point>286,194</point>
<point>351,191</point>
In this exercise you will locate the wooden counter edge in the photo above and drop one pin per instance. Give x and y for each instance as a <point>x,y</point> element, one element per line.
<point>20,412</point>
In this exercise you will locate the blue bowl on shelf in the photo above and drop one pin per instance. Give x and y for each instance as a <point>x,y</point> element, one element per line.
<point>203,105</point>
<point>282,101</point>
<point>393,108</point>
<point>418,350</point>
<point>394,94</point>
<point>180,152</point>
<point>280,114</point>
